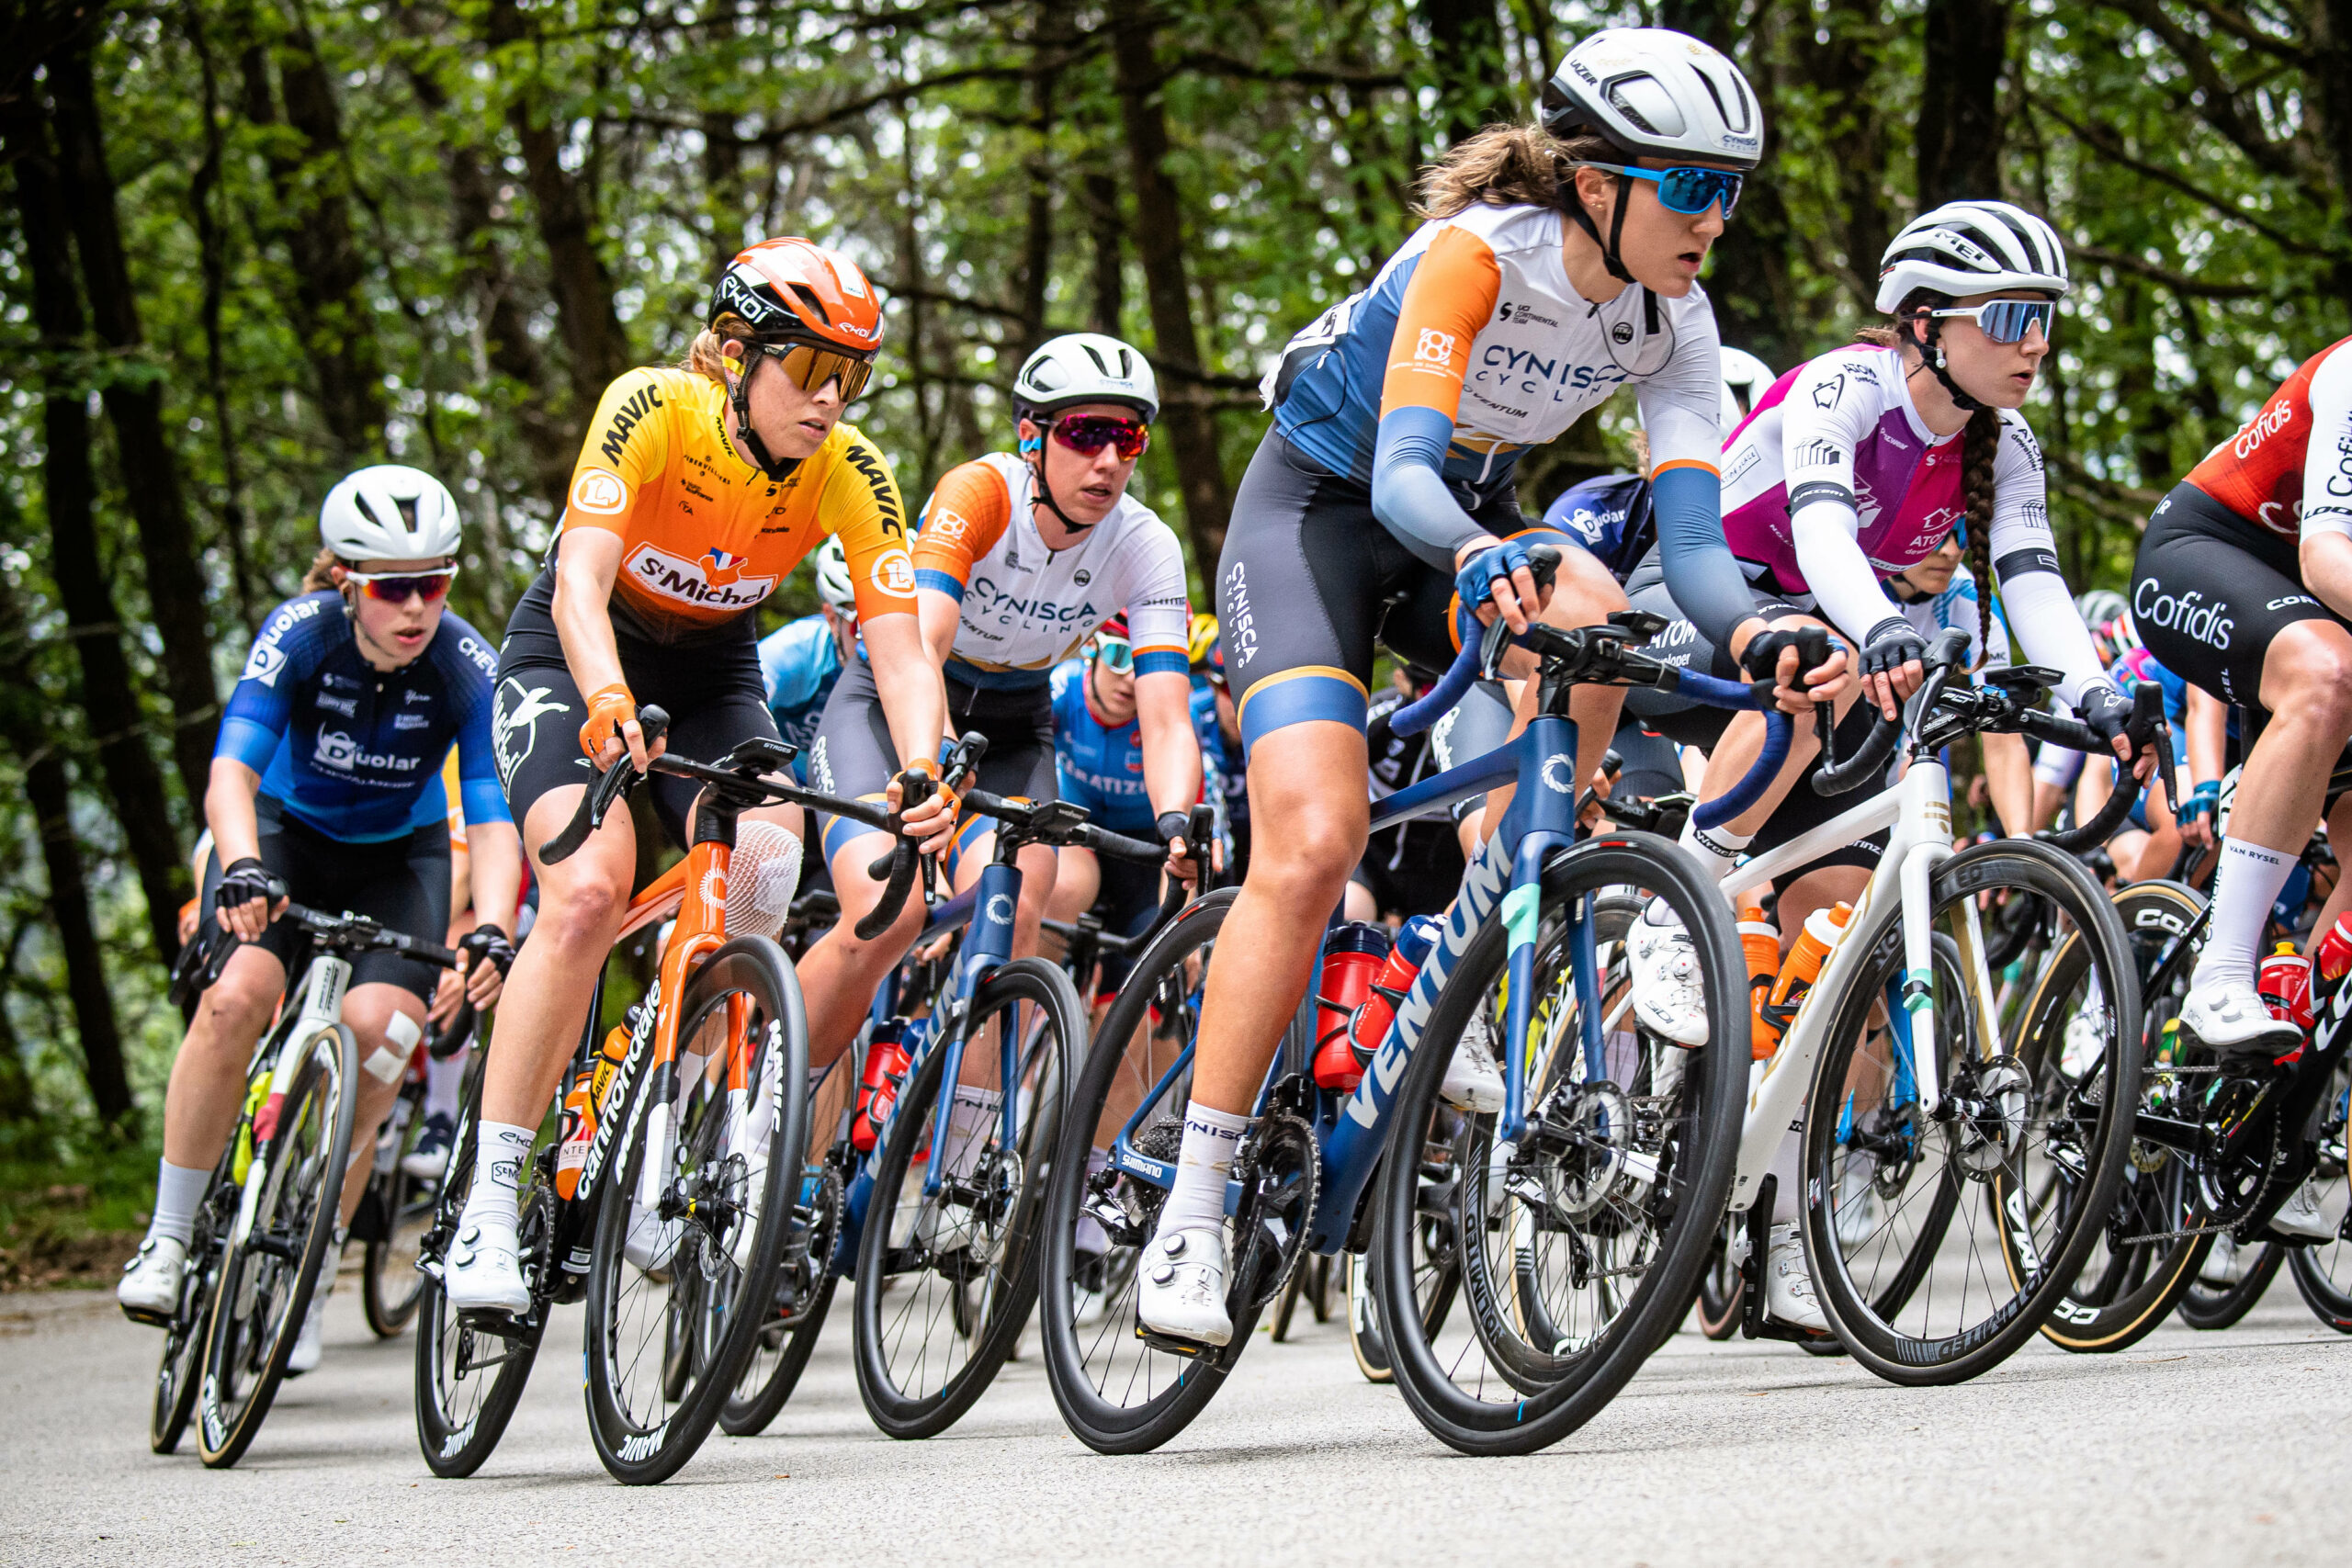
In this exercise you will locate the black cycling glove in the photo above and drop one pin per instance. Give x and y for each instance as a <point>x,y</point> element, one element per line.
<point>492,945</point>
<point>1170,825</point>
<point>244,880</point>
<point>1892,644</point>
<point>1762,657</point>
<point>2106,712</point>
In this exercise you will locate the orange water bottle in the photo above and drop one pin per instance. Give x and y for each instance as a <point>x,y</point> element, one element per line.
<point>1759,940</point>
<point>1822,929</point>
<point>581,1107</point>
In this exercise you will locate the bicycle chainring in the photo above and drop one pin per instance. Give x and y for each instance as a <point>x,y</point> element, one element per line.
<point>1281,1172</point>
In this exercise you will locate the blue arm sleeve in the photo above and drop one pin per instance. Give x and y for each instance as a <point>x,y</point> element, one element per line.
<point>1706,582</point>
<point>1409,493</point>
<point>247,742</point>
<point>478,789</point>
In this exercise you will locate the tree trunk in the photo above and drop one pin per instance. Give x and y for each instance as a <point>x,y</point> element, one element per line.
<point>596,345</point>
<point>107,697</point>
<point>1159,241</point>
<point>1959,133</point>
<point>311,217</point>
<point>1048,39</point>
<point>1474,78</point>
<point>1840,55</point>
<point>211,249</point>
<point>151,480</point>
<point>1108,275</point>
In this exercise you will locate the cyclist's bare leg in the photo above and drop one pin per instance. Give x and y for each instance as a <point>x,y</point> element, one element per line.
<point>1077,882</point>
<point>2307,686</point>
<point>841,973</point>
<point>1310,817</point>
<point>207,1086</point>
<point>582,903</point>
<point>2339,898</point>
<point>370,1011</point>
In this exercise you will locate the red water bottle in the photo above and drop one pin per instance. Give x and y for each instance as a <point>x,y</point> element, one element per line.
<point>2331,954</point>
<point>2286,986</point>
<point>877,1091</point>
<point>1352,955</point>
<point>1390,986</point>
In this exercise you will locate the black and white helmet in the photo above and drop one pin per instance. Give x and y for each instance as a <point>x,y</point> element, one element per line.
<point>1972,247</point>
<point>391,511</point>
<point>833,584</point>
<point>1657,93</point>
<point>1084,367</point>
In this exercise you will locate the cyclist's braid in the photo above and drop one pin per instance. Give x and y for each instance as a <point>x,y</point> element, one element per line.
<point>1978,445</point>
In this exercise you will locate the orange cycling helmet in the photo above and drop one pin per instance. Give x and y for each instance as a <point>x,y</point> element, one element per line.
<point>809,308</point>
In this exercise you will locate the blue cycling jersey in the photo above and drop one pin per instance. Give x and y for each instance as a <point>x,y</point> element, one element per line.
<point>1609,516</point>
<point>1099,767</point>
<point>799,663</point>
<point>1222,767</point>
<point>354,751</point>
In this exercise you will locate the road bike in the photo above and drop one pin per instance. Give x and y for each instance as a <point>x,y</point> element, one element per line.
<point>1304,1177</point>
<point>672,1218</point>
<point>397,1209</point>
<point>263,1228</point>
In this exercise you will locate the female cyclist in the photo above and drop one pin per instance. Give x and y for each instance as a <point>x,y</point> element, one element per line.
<point>697,490</point>
<point>2243,587</point>
<point>1557,262</point>
<point>327,778</point>
<point>1852,469</point>
<point>1022,555</point>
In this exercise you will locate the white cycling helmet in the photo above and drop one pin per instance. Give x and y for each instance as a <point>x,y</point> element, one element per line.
<point>1972,247</point>
<point>1084,367</point>
<point>391,511</point>
<point>833,584</point>
<point>1745,379</point>
<point>1659,93</point>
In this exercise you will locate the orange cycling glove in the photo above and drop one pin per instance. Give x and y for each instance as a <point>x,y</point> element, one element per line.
<point>610,707</point>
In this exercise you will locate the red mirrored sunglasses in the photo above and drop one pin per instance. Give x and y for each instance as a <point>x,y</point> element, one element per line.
<point>398,588</point>
<point>1089,434</point>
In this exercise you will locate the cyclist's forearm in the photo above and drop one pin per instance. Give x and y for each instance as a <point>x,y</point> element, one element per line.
<point>940,616</point>
<point>1172,752</point>
<point>582,610</point>
<point>229,811</point>
<point>495,851</point>
<point>2207,722</point>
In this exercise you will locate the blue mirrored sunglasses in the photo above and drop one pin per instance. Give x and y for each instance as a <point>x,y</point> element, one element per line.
<point>2005,321</point>
<point>1116,654</point>
<point>1687,191</point>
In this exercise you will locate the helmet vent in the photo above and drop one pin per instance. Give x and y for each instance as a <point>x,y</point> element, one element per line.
<point>809,297</point>
<point>1100,364</point>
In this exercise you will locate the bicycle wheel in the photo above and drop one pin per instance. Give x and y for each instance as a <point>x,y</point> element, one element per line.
<point>471,1369</point>
<point>1581,1241</point>
<point>268,1272</point>
<point>1120,1392</point>
<point>1366,1343</point>
<point>1940,1239</point>
<point>391,1283</point>
<point>2210,1308</point>
<point>184,1339</point>
<point>2322,1269</point>
<point>1723,1293</point>
<point>2140,1264</point>
<point>946,1279</point>
<point>683,1272</point>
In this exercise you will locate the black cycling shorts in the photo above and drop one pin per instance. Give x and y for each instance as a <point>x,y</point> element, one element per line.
<point>401,884</point>
<point>2210,590</point>
<point>854,757</point>
<point>1125,904</point>
<point>1311,582</point>
<point>710,686</point>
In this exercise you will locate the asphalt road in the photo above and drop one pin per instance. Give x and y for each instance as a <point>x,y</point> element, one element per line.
<point>2190,1447</point>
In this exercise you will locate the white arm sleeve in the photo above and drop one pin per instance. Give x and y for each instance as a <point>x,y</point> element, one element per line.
<point>2327,461</point>
<point>1820,426</point>
<point>2025,561</point>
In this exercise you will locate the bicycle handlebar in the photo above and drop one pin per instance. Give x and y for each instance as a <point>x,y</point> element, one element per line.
<point>2147,724</point>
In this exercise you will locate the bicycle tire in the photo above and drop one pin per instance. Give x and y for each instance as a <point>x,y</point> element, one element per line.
<point>391,1284</point>
<point>763,1389</point>
<point>2329,1301</point>
<point>718,1190</point>
<point>1530,1406</point>
<point>1366,1343</point>
<point>1902,1336</point>
<point>256,1362</point>
<point>1175,1389</point>
<point>2124,1294</point>
<point>2210,1309</point>
<point>1721,1295</point>
<point>184,1339</point>
<point>456,1441</point>
<point>1012,1181</point>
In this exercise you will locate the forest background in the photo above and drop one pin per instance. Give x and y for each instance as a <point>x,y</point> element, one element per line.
<point>249,244</point>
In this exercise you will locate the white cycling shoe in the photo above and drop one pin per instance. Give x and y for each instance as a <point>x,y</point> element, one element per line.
<point>1669,994</point>
<point>483,1274</point>
<point>2229,1016</point>
<point>310,1345</point>
<point>2225,1261</point>
<point>149,1292</point>
<point>1788,1282</point>
<point>1473,1083</point>
<point>1859,1216</point>
<point>651,1240</point>
<point>2299,1216</point>
<point>1181,1286</point>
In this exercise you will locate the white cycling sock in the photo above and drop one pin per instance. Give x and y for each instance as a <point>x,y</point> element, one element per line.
<point>442,1082</point>
<point>495,1197</point>
<point>1196,1202</point>
<point>179,1193</point>
<point>1718,849</point>
<point>2244,889</point>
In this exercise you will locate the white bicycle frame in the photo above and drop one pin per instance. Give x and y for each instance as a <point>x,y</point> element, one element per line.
<point>1917,810</point>
<point>321,1008</point>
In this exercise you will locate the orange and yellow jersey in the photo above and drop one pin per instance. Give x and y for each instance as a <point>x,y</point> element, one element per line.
<point>706,537</point>
<point>450,787</point>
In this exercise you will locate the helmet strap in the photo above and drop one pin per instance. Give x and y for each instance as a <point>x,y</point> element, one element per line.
<point>1932,355</point>
<point>1574,205</point>
<point>1034,449</point>
<point>739,393</point>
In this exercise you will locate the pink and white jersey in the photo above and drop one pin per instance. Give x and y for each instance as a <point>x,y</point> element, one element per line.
<point>1842,428</point>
